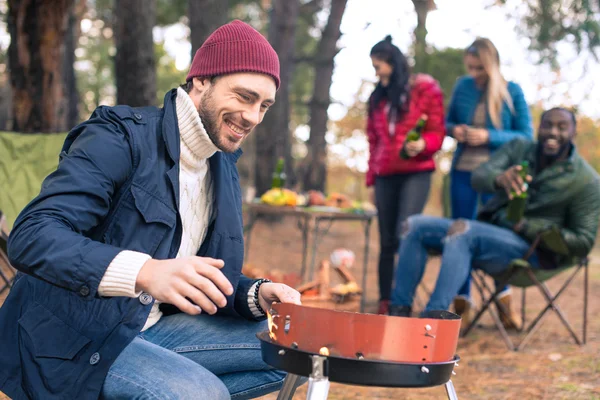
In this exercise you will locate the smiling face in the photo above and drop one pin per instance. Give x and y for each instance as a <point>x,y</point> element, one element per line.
<point>555,132</point>
<point>476,69</point>
<point>231,106</point>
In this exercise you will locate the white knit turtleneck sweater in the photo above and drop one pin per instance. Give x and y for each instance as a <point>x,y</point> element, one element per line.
<point>195,206</point>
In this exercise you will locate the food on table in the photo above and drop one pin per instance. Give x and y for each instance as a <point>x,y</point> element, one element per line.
<point>338,200</point>
<point>279,197</point>
<point>301,200</point>
<point>316,198</point>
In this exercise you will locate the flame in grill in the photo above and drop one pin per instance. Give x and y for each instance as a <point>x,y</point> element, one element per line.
<point>324,351</point>
<point>271,325</point>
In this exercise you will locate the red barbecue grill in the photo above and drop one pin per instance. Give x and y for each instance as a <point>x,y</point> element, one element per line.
<point>359,349</point>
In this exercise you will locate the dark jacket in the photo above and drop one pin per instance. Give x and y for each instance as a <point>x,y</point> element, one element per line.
<point>426,97</point>
<point>464,100</point>
<point>565,195</point>
<point>116,188</point>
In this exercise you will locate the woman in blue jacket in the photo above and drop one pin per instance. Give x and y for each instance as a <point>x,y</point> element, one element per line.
<point>485,112</point>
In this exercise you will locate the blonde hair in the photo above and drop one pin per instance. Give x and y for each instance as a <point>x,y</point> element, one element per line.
<point>497,91</point>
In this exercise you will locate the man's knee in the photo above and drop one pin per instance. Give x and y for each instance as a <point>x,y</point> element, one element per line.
<point>165,387</point>
<point>201,387</point>
<point>410,224</point>
<point>458,227</point>
<point>418,224</point>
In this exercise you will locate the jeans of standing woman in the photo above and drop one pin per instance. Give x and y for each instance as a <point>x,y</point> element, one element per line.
<point>397,197</point>
<point>464,201</point>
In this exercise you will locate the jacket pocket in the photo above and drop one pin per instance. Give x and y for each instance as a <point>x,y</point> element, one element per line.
<point>52,354</point>
<point>151,208</point>
<point>50,336</point>
<point>142,222</point>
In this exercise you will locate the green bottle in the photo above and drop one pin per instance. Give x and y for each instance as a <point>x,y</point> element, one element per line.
<point>516,206</point>
<point>413,135</point>
<point>278,180</point>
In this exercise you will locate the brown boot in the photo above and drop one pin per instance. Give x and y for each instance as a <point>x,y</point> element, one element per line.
<point>465,308</point>
<point>511,319</point>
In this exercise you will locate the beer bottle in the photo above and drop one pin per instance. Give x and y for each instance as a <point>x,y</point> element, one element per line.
<point>516,206</point>
<point>413,135</point>
<point>278,180</point>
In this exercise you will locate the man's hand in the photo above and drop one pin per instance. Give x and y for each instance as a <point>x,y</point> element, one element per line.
<point>477,136</point>
<point>460,132</point>
<point>270,292</point>
<point>192,284</point>
<point>511,181</point>
<point>414,147</point>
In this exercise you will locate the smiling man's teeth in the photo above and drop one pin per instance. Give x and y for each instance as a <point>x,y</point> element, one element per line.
<point>235,128</point>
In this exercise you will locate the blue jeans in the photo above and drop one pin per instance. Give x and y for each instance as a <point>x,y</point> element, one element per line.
<point>464,202</point>
<point>193,357</point>
<point>480,245</point>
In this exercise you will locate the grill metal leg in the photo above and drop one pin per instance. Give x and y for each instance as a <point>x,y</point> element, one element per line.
<point>318,389</point>
<point>290,383</point>
<point>450,391</point>
<point>318,382</point>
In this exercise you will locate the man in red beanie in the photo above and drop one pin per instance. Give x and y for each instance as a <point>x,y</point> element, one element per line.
<point>130,258</point>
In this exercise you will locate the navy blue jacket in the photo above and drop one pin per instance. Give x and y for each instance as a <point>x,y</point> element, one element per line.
<point>116,188</point>
<point>464,100</point>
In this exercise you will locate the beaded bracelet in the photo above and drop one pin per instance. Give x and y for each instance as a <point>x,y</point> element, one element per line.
<point>256,290</point>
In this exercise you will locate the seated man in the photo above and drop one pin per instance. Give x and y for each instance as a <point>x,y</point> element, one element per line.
<point>131,255</point>
<point>563,192</point>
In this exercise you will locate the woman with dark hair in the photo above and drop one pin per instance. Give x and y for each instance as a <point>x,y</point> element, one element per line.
<point>485,112</point>
<point>400,165</point>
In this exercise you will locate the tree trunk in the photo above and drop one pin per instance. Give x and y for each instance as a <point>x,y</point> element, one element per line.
<point>135,67</point>
<point>6,108</point>
<point>315,164</point>
<point>422,8</point>
<point>205,16</point>
<point>37,29</point>
<point>273,137</point>
<point>5,105</point>
<point>71,97</point>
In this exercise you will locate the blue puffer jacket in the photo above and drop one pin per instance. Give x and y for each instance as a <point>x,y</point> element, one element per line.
<point>116,187</point>
<point>466,96</point>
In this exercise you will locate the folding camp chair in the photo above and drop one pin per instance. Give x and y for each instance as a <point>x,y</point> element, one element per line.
<point>7,273</point>
<point>521,274</point>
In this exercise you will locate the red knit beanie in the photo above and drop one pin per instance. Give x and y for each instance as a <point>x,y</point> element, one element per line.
<point>235,47</point>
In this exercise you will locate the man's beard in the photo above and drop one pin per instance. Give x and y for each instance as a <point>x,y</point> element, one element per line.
<point>209,117</point>
<point>548,159</point>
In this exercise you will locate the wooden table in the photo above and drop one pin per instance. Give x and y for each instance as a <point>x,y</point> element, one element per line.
<point>321,221</point>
